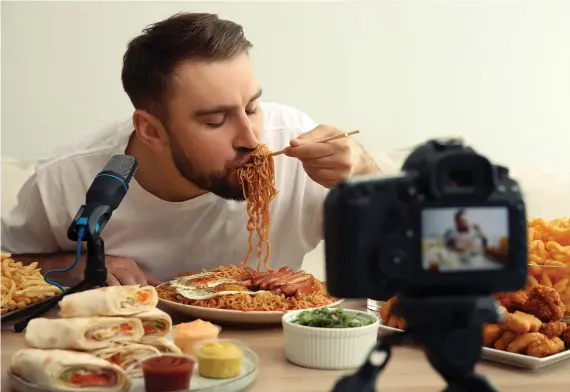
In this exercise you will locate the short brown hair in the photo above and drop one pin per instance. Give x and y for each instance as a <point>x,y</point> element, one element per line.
<point>151,57</point>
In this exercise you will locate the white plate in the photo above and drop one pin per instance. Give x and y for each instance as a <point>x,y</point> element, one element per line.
<point>231,316</point>
<point>249,368</point>
<point>507,358</point>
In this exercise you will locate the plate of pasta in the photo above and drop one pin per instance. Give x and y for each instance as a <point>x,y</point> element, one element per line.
<point>237,293</point>
<point>242,295</point>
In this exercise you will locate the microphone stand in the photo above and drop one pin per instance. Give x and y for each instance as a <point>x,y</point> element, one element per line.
<point>95,274</point>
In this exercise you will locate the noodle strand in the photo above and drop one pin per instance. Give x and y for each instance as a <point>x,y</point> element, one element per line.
<point>258,186</point>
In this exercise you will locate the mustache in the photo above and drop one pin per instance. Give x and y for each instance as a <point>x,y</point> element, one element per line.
<point>243,157</point>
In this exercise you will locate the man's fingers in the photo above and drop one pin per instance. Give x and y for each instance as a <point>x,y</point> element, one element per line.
<point>125,277</point>
<point>112,281</point>
<point>138,275</point>
<point>320,132</point>
<point>330,162</point>
<point>310,150</point>
<point>152,280</point>
<point>323,174</point>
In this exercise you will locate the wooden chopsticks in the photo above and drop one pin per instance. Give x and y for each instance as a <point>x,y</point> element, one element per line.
<point>326,139</point>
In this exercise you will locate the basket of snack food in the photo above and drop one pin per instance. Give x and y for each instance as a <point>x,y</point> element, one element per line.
<point>23,287</point>
<point>549,256</point>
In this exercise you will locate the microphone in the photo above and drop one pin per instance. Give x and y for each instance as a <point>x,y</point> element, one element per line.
<point>103,196</point>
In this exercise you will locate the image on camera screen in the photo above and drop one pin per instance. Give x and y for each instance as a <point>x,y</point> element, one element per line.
<point>466,238</point>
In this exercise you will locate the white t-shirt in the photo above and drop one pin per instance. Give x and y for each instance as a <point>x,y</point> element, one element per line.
<point>470,240</point>
<point>168,238</point>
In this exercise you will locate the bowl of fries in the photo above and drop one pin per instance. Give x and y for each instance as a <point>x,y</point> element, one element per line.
<point>549,255</point>
<point>23,285</point>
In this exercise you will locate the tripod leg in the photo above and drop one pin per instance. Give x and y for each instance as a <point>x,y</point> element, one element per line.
<point>19,327</point>
<point>471,383</point>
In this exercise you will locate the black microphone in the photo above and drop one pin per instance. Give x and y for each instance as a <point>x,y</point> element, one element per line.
<point>103,196</point>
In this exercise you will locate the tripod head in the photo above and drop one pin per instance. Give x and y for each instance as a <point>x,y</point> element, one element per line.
<point>450,331</point>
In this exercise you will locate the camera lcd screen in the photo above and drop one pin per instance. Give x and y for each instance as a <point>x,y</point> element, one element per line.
<point>465,238</point>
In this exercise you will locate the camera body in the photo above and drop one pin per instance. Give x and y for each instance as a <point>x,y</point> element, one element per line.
<point>450,223</point>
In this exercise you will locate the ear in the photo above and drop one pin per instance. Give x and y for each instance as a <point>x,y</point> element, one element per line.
<point>150,131</point>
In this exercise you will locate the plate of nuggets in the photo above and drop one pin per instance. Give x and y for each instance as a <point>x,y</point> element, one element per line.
<point>532,334</point>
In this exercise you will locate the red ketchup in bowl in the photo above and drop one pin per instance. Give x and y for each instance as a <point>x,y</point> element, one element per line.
<point>168,372</point>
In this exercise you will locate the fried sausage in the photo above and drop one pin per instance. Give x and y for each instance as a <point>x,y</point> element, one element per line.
<point>259,277</point>
<point>297,277</point>
<point>272,278</point>
<point>305,288</point>
<point>250,271</point>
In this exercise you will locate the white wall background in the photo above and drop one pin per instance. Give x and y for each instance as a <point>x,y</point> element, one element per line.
<point>496,72</point>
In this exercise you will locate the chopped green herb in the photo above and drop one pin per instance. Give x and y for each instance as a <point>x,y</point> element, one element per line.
<point>331,318</point>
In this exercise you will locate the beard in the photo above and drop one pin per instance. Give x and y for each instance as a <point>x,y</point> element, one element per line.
<point>223,183</point>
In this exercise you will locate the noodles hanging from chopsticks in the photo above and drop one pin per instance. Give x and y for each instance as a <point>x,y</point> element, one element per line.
<point>258,183</point>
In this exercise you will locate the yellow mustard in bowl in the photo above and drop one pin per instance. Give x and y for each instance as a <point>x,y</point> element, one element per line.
<point>219,359</point>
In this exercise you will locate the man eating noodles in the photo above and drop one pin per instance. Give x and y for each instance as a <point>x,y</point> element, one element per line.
<point>197,118</point>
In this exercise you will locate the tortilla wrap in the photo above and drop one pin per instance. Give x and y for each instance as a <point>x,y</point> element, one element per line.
<point>109,301</point>
<point>162,344</point>
<point>159,321</point>
<point>47,368</point>
<point>84,333</point>
<point>127,356</point>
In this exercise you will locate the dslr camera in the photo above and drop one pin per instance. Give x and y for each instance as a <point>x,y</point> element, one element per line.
<point>450,224</point>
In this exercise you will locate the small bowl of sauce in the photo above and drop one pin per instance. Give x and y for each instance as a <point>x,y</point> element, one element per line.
<point>167,372</point>
<point>186,335</point>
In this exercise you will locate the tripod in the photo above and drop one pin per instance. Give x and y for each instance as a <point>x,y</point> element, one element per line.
<point>450,331</point>
<point>95,274</point>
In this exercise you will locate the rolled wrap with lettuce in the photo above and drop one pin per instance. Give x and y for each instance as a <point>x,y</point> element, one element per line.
<point>156,323</point>
<point>62,370</point>
<point>83,333</point>
<point>163,345</point>
<point>109,301</point>
<point>128,356</point>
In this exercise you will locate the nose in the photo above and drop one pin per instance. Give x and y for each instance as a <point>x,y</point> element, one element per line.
<point>245,133</point>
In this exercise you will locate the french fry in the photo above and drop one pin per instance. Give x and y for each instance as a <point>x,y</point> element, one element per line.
<point>23,285</point>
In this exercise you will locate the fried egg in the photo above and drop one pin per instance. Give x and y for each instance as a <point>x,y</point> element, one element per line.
<point>196,293</point>
<point>205,279</point>
<point>206,285</point>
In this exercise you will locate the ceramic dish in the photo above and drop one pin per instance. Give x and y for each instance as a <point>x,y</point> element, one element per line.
<point>328,348</point>
<point>230,316</point>
<point>248,373</point>
<point>507,358</point>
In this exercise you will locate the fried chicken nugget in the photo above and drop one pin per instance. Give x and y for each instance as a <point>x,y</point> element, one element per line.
<point>386,309</point>
<point>393,322</point>
<point>491,332</point>
<point>520,322</point>
<point>566,337</point>
<point>401,323</point>
<point>544,302</point>
<point>512,301</point>
<point>520,344</point>
<point>506,338</point>
<point>545,348</point>
<point>553,329</point>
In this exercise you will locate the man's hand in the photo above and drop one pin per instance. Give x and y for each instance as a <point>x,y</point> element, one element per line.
<point>123,271</point>
<point>330,162</point>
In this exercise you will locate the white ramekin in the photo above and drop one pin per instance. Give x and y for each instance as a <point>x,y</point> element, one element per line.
<point>328,348</point>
